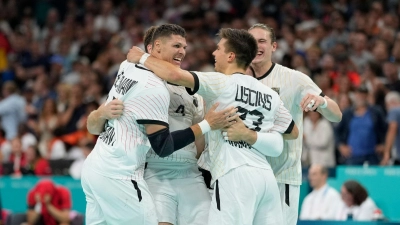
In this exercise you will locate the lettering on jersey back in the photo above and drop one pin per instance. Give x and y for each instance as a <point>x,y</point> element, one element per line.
<point>253,98</point>
<point>123,84</point>
<point>239,144</point>
<point>108,135</point>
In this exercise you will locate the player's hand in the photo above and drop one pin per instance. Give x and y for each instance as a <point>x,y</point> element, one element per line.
<point>310,102</point>
<point>47,199</point>
<point>220,119</point>
<point>236,131</point>
<point>134,54</point>
<point>37,198</point>
<point>112,110</point>
<point>345,151</point>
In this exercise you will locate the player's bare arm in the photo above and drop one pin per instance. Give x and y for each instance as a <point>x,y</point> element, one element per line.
<point>97,118</point>
<point>161,68</point>
<point>324,105</point>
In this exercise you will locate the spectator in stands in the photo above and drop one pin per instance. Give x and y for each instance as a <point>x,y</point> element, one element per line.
<point>323,201</point>
<point>48,204</point>
<point>392,100</point>
<point>48,123</point>
<point>76,168</point>
<point>17,156</point>
<point>12,109</point>
<point>391,72</point>
<point>361,132</point>
<point>319,140</point>
<point>35,164</point>
<point>355,204</point>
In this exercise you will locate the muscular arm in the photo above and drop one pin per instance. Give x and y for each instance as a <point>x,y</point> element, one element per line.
<point>332,112</point>
<point>200,145</point>
<point>97,118</point>
<point>163,69</point>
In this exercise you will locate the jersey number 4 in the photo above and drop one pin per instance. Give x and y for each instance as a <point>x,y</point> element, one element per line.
<point>181,109</point>
<point>257,123</point>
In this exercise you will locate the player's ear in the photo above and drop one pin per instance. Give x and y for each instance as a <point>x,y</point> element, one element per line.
<point>231,57</point>
<point>157,46</point>
<point>274,46</point>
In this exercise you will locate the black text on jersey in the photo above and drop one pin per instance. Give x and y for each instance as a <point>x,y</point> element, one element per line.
<point>253,98</point>
<point>122,84</point>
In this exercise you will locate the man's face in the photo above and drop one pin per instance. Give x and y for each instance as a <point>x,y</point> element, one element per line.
<point>265,47</point>
<point>315,176</point>
<point>172,49</point>
<point>221,57</point>
<point>346,197</point>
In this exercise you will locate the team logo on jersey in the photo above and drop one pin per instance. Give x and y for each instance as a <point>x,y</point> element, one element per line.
<point>276,89</point>
<point>195,102</point>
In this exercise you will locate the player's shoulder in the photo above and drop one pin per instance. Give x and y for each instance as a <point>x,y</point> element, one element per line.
<point>286,71</point>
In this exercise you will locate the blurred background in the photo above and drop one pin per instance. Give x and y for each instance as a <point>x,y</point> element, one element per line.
<point>59,58</point>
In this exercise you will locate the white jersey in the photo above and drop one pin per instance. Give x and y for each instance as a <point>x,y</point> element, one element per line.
<point>120,151</point>
<point>292,86</point>
<point>184,111</point>
<point>260,108</point>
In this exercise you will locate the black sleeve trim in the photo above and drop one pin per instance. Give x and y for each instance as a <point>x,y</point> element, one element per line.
<point>153,122</point>
<point>323,95</point>
<point>290,128</point>
<point>31,206</point>
<point>196,84</point>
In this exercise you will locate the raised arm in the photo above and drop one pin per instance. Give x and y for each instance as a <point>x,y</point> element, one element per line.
<point>161,68</point>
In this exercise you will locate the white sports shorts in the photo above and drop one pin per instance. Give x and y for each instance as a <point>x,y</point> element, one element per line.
<point>246,196</point>
<point>113,201</point>
<point>290,195</point>
<point>183,201</point>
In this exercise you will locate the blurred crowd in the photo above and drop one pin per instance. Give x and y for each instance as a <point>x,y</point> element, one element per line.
<point>58,59</point>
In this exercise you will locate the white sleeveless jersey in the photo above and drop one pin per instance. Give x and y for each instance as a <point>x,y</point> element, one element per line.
<point>260,108</point>
<point>292,86</point>
<point>120,151</point>
<point>184,111</point>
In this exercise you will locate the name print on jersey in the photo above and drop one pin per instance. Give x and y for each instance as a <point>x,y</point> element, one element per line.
<point>107,136</point>
<point>253,98</point>
<point>122,84</point>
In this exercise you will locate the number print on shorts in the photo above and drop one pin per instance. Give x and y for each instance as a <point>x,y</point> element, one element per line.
<point>256,113</point>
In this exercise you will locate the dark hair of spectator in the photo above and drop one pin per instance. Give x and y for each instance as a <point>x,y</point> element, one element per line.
<point>166,30</point>
<point>357,191</point>
<point>240,42</point>
<point>267,28</point>
<point>148,37</point>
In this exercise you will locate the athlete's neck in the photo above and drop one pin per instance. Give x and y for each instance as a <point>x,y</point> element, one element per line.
<point>261,68</point>
<point>233,69</point>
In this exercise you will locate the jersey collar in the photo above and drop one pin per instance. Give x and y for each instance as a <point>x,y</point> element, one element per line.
<point>263,76</point>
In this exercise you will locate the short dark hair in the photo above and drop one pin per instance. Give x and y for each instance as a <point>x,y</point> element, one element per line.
<point>166,30</point>
<point>148,37</point>
<point>240,42</point>
<point>358,192</point>
<point>267,28</point>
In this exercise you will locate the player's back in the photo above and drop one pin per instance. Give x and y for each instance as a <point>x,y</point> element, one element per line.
<point>184,111</point>
<point>257,106</point>
<point>292,86</point>
<point>120,150</point>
